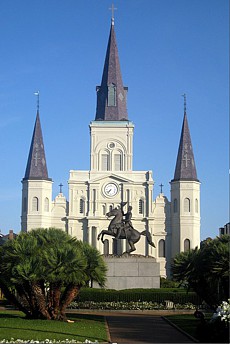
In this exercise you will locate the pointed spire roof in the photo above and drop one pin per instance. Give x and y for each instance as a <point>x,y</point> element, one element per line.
<point>111,95</point>
<point>36,165</point>
<point>185,165</point>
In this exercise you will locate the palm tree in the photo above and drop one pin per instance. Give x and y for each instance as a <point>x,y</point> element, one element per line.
<point>96,267</point>
<point>42,271</point>
<point>205,270</point>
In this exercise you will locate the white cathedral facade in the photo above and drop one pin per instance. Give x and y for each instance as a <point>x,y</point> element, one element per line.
<point>173,224</point>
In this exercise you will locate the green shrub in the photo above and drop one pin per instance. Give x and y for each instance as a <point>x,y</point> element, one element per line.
<point>179,296</point>
<point>168,283</point>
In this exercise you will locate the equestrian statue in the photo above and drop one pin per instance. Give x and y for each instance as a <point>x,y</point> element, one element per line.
<point>121,227</point>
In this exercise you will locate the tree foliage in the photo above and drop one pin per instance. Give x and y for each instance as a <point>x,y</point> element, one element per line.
<point>168,283</point>
<point>42,271</point>
<point>206,270</point>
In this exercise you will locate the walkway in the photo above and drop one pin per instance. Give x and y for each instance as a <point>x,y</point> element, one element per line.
<point>146,329</point>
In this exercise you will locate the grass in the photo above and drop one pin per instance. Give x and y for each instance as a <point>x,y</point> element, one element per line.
<point>216,332</point>
<point>187,322</point>
<point>13,324</point>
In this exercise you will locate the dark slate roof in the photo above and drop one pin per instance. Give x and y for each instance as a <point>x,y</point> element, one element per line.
<point>111,75</point>
<point>36,165</point>
<point>185,165</point>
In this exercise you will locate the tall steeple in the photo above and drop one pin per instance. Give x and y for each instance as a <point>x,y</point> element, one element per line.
<point>36,165</point>
<point>185,165</point>
<point>111,95</point>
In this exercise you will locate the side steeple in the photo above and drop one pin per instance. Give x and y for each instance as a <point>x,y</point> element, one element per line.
<point>36,185</point>
<point>185,196</point>
<point>36,165</point>
<point>111,95</point>
<point>185,165</point>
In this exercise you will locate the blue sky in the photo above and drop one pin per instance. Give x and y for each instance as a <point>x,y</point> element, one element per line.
<point>166,48</point>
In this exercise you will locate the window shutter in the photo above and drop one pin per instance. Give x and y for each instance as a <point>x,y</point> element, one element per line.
<point>46,206</point>
<point>186,245</point>
<point>35,204</point>
<point>117,162</point>
<point>187,205</point>
<point>161,248</point>
<point>105,162</point>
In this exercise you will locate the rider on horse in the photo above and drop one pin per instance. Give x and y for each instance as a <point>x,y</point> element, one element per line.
<point>126,222</point>
<point>122,228</point>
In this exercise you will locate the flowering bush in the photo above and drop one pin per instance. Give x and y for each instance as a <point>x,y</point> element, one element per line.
<point>132,305</point>
<point>46,341</point>
<point>217,329</point>
<point>223,311</point>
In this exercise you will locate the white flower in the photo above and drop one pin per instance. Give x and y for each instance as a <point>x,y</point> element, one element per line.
<point>223,311</point>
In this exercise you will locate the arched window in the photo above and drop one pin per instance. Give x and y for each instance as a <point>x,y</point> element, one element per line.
<point>35,204</point>
<point>46,204</point>
<point>161,248</point>
<point>196,205</point>
<point>103,209</point>
<point>175,206</point>
<point>112,95</point>
<point>105,162</point>
<point>186,245</point>
<point>110,208</point>
<point>187,205</point>
<point>82,206</point>
<point>117,162</point>
<point>141,206</point>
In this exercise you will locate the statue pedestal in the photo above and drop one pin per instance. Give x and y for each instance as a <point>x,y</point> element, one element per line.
<point>132,271</point>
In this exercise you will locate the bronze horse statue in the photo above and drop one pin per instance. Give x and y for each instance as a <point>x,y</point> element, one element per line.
<point>125,232</point>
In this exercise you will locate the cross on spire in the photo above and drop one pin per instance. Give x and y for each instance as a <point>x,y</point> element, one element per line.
<point>161,186</point>
<point>186,159</point>
<point>184,96</point>
<point>36,158</point>
<point>112,8</point>
<point>60,185</point>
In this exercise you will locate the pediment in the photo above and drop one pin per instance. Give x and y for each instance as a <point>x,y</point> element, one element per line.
<point>111,176</point>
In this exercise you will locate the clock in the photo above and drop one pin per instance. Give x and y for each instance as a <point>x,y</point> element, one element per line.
<point>110,189</point>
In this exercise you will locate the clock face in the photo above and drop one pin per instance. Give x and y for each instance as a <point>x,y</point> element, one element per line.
<point>110,189</point>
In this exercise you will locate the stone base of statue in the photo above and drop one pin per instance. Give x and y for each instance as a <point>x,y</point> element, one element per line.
<point>132,271</point>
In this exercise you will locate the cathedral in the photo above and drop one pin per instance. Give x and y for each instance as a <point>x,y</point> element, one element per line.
<point>174,225</point>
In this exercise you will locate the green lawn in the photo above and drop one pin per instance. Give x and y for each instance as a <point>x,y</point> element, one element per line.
<point>216,332</point>
<point>14,325</point>
<point>186,322</point>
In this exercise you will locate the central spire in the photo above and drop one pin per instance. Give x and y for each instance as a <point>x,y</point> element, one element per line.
<point>111,95</point>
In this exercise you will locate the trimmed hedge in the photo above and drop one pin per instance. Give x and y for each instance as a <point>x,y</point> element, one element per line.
<point>150,295</point>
